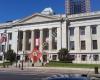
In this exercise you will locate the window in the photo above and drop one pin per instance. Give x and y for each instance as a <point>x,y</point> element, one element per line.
<point>54,57</point>
<point>72,57</point>
<point>95,57</point>
<point>71,45</point>
<point>94,29</point>
<point>94,44</point>
<point>71,31</point>
<point>9,36</point>
<point>82,30</point>
<point>54,38</point>
<point>83,46</point>
<point>84,57</point>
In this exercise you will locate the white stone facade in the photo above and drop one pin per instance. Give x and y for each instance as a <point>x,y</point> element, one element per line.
<point>55,29</point>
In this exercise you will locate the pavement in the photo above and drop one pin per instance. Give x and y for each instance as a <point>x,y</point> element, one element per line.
<point>52,69</point>
<point>49,71</point>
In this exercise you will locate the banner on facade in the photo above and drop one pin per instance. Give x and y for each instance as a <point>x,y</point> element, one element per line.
<point>35,55</point>
<point>37,41</point>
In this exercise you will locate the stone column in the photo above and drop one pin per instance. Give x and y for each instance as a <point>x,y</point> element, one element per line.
<point>77,39</point>
<point>98,37</point>
<point>59,40</point>
<point>32,40</point>
<point>41,40</point>
<point>24,41</point>
<point>88,39</point>
<point>50,39</point>
<point>77,44</point>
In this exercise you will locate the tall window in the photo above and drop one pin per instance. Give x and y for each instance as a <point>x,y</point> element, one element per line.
<point>94,44</point>
<point>94,29</point>
<point>54,57</point>
<point>71,31</point>
<point>28,36</point>
<point>20,38</point>
<point>45,39</point>
<point>54,38</point>
<point>9,36</point>
<point>82,30</point>
<point>71,45</point>
<point>83,46</point>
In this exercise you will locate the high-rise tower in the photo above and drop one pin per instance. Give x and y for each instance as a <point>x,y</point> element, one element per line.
<point>77,6</point>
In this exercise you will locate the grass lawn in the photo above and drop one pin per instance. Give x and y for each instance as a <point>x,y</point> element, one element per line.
<point>71,65</point>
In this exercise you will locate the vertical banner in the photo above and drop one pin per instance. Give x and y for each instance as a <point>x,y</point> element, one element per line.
<point>37,42</point>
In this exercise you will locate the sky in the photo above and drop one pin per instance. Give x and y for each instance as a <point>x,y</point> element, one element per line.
<point>18,9</point>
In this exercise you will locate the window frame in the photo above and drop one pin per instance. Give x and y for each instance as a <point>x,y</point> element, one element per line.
<point>82,30</point>
<point>72,47</point>
<point>94,45</point>
<point>94,31</point>
<point>83,45</point>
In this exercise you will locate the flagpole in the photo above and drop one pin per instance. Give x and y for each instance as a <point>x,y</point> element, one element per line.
<point>4,49</point>
<point>18,38</point>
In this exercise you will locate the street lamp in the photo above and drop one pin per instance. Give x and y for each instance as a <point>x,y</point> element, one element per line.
<point>3,59</point>
<point>22,61</point>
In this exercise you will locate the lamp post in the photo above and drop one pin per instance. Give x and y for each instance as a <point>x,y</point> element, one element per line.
<point>22,61</point>
<point>3,59</point>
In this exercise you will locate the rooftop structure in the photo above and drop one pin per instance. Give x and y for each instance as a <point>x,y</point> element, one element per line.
<point>77,6</point>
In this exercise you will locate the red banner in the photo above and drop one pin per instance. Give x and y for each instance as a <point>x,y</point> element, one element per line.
<point>35,55</point>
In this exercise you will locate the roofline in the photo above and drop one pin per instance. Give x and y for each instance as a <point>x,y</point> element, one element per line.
<point>82,16</point>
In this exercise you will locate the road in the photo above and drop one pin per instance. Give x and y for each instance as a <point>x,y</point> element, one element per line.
<point>35,73</point>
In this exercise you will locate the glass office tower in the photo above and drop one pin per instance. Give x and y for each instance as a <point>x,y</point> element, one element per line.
<point>77,6</point>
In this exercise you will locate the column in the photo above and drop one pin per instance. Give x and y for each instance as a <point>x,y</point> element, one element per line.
<point>77,45</point>
<point>98,37</point>
<point>77,39</point>
<point>50,39</point>
<point>32,40</point>
<point>59,41</point>
<point>41,40</point>
<point>88,38</point>
<point>24,41</point>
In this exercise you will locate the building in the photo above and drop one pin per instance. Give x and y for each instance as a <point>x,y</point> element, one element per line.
<point>42,31</point>
<point>77,6</point>
<point>49,33</point>
<point>84,37</point>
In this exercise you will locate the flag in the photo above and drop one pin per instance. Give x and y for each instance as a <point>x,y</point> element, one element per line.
<point>3,38</point>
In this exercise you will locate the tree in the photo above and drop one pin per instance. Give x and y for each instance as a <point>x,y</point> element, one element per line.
<point>10,55</point>
<point>62,54</point>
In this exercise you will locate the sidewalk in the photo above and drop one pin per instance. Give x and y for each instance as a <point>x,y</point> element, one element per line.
<point>52,69</point>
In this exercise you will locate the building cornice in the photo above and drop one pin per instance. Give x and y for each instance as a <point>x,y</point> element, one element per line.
<point>83,16</point>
